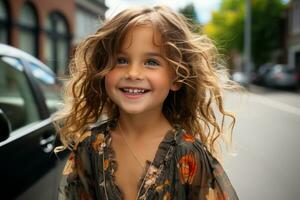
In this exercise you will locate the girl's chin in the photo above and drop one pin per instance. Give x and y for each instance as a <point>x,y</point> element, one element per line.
<point>132,111</point>
<point>139,108</point>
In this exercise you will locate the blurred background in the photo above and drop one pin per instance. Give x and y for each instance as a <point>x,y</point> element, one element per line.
<point>258,39</point>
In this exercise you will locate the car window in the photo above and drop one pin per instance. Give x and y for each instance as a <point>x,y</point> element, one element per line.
<point>288,70</point>
<point>48,83</point>
<point>16,98</point>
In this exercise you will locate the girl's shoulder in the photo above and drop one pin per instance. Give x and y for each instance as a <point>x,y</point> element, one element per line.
<point>188,142</point>
<point>188,146</point>
<point>198,167</point>
<point>95,134</point>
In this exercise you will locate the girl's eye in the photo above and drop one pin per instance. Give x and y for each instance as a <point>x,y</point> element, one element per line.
<point>152,63</point>
<point>121,61</point>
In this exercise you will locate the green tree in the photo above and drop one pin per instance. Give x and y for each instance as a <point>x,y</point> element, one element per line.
<point>189,12</point>
<point>227,27</point>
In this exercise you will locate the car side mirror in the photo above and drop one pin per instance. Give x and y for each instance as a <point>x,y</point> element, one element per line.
<point>5,127</point>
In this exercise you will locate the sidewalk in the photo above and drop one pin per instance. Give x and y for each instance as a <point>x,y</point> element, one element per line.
<point>281,98</point>
<point>263,90</point>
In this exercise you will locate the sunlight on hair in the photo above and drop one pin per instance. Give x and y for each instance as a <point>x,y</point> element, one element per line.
<point>197,106</point>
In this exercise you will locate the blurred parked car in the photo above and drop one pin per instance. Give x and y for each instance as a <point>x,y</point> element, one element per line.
<point>241,78</point>
<point>259,77</point>
<point>282,76</point>
<point>29,94</point>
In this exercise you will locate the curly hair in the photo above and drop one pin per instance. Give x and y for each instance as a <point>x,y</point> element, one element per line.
<point>196,106</point>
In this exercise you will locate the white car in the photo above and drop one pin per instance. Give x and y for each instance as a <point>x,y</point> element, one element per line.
<point>240,78</point>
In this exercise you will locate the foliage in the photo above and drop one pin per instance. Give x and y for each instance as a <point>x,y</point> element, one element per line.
<point>227,27</point>
<point>189,12</point>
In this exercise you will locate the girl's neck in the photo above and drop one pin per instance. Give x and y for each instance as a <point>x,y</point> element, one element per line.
<point>144,126</point>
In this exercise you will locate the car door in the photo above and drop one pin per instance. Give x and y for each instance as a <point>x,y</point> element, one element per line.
<point>26,154</point>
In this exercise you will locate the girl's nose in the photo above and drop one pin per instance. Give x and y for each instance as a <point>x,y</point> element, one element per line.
<point>134,71</point>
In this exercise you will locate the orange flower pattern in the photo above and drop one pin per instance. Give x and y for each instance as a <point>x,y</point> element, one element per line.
<point>70,165</point>
<point>187,168</point>
<point>162,186</point>
<point>106,163</point>
<point>99,143</point>
<point>181,169</point>
<point>188,137</point>
<point>214,195</point>
<point>167,196</point>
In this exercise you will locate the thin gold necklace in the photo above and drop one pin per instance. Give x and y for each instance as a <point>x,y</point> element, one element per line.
<point>141,164</point>
<point>127,144</point>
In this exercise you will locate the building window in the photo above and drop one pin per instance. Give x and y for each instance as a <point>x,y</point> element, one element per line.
<point>4,23</point>
<point>57,43</point>
<point>86,24</point>
<point>28,38</point>
<point>296,18</point>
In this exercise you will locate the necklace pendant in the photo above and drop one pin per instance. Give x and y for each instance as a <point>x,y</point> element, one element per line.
<point>100,152</point>
<point>102,184</point>
<point>143,197</point>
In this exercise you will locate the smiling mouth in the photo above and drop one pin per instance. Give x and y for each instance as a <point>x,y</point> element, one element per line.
<point>134,91</point>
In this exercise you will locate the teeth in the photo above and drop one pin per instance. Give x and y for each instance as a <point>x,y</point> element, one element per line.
<point>134,91</point>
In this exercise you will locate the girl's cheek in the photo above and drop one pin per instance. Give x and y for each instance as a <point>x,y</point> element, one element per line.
<point>107,82</point>
<point>111,80</point>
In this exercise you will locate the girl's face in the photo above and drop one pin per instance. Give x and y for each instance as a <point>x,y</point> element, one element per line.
<point>142,78</point>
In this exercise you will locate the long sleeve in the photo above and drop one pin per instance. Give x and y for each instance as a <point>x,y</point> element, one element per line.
<point>75,183</point>
<point>202,174</point>
<point>214,182</point>
<point>70,185</point>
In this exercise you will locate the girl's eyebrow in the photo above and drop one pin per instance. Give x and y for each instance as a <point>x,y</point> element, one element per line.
<point>122,53</point>
<point>146,54</point>
<point>153,54</point>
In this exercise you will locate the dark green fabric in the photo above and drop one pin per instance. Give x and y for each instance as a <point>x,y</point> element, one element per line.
<point>182,169</point>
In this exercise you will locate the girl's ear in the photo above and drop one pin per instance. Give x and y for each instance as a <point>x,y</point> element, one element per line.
<point>176,86</point>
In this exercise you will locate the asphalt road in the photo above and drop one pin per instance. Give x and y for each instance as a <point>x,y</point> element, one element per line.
<point>266,162</point>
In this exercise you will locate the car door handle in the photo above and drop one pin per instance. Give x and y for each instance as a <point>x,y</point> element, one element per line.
<point>47,144</point>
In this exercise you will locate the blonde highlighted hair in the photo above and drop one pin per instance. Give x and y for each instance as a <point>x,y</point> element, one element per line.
<point>196,106</point>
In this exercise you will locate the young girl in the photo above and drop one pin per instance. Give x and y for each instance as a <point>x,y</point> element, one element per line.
<point>141,112</point>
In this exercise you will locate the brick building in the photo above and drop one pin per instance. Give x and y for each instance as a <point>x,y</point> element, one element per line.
<point>48,29</point>
<point>293,37</point>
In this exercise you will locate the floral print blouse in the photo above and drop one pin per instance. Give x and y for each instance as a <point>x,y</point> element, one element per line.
<point>182,169</point>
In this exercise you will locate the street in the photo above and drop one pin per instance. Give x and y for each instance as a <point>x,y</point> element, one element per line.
<point>46,187</point>
<point>266,160</point>
<point>265,163</point>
